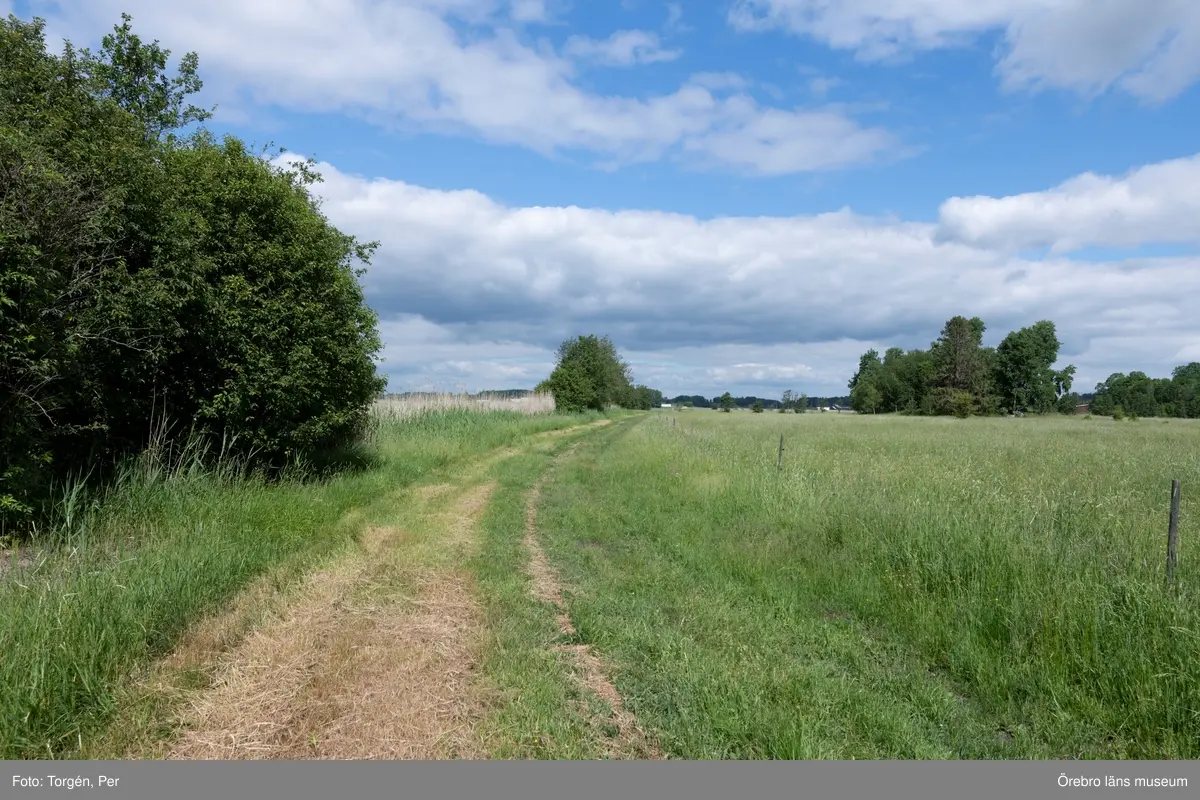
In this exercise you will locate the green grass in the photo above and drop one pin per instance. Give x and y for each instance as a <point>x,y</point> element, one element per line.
<point>165,547</point>
<point>538,711</point>
<point>906,588</point>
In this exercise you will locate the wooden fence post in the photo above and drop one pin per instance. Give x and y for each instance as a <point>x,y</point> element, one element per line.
<point>780,468</point>
<point>1173,532</point>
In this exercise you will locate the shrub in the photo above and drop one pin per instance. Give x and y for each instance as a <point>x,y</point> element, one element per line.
<point>146,277</point>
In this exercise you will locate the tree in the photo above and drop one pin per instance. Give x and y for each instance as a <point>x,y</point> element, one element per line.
<point>802,404</point>
<point>133,74</point>
<point>868,364</point>
<point>145,278</point>
<point>571,386</point>
<point>725,402</point>
<point>609,377</point>
<point>757,408</point>
<point>956,354</point>
<point>787,402</point>
<point>865,397</point>
<point>1024,362</point>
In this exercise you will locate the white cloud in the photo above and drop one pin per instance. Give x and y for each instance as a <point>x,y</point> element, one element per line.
<point>765,303</point>
<point>1150,49</point>
<point>621,49</point>
<point>775,142</point>
<point>1159,203</point>
<point>463,67</point>
<point>821,86</point>
<point>530,11</point>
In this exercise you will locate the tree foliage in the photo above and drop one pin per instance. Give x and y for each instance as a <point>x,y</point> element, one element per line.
<point>149,276</point>
<point>1141,395</point>
<point>958,375</point>
<point>589,373</point>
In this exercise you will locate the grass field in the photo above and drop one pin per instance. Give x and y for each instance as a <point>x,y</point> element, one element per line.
<point>903,588</point>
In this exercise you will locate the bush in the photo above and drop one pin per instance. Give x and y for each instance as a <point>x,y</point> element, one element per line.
<point>962,404</point>
<point>572,388</point>
<point>147,278</point>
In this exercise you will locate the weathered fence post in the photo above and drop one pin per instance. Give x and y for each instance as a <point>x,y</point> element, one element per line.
<point>1173,532</point>
<point>780,468</point>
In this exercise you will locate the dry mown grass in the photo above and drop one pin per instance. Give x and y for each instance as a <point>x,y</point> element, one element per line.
<point>345,671</point>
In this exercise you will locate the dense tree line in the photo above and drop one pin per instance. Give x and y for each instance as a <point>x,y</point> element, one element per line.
<point>1138,395</point>
<point>150,276</point>
<point>589,373</point>
<point>958,375</point>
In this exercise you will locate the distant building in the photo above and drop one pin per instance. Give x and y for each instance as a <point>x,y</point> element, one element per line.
<point>666,405</point>
<point>1081,409</point>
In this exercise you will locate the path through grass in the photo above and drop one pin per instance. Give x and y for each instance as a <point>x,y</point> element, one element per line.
<point>165,551</point>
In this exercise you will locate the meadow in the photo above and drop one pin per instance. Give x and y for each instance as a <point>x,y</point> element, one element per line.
<point>901,588</point>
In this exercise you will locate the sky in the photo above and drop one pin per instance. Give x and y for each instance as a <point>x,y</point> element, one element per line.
<point>745,195</point>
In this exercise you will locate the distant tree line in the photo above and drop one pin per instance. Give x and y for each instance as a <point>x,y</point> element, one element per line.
<point>791,401</point>
<point>958,375</point>
<point>147,276</point>
<point>1138,395</point>
<point>589,374</point>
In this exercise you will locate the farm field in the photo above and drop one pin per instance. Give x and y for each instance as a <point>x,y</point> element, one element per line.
<point>633,585</point>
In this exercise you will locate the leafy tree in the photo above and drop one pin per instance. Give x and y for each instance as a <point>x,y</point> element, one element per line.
<point>571,386</point>
<point>133,74</point>
<point>868,365</point>
<point>608,375</point>
<point>609,378</point>
<point>787,402</point>
<point>1024,362</point>
<point>144,277</point>
<point>865,397</point>
<point>757,408</point>
<point>957,356</point>
<point>725,402</point>
<point>801,404</point>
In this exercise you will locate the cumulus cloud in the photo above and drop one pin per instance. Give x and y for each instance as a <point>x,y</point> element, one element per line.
<point>621,49</point>
<point>1151,50</point>
<point>1158,203</point>
<point>750,304</point>
<point>464,67</point>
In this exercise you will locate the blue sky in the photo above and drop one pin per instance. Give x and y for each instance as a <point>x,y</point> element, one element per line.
<point>744,194</point>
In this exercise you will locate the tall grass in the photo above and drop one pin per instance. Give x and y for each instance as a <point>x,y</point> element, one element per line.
<point>173,538</point>
<point>840,607</point>
<point>404,407</point>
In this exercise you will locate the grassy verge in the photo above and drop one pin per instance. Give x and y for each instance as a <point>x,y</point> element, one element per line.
<point>906,588</point>
<point>165,549</point>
